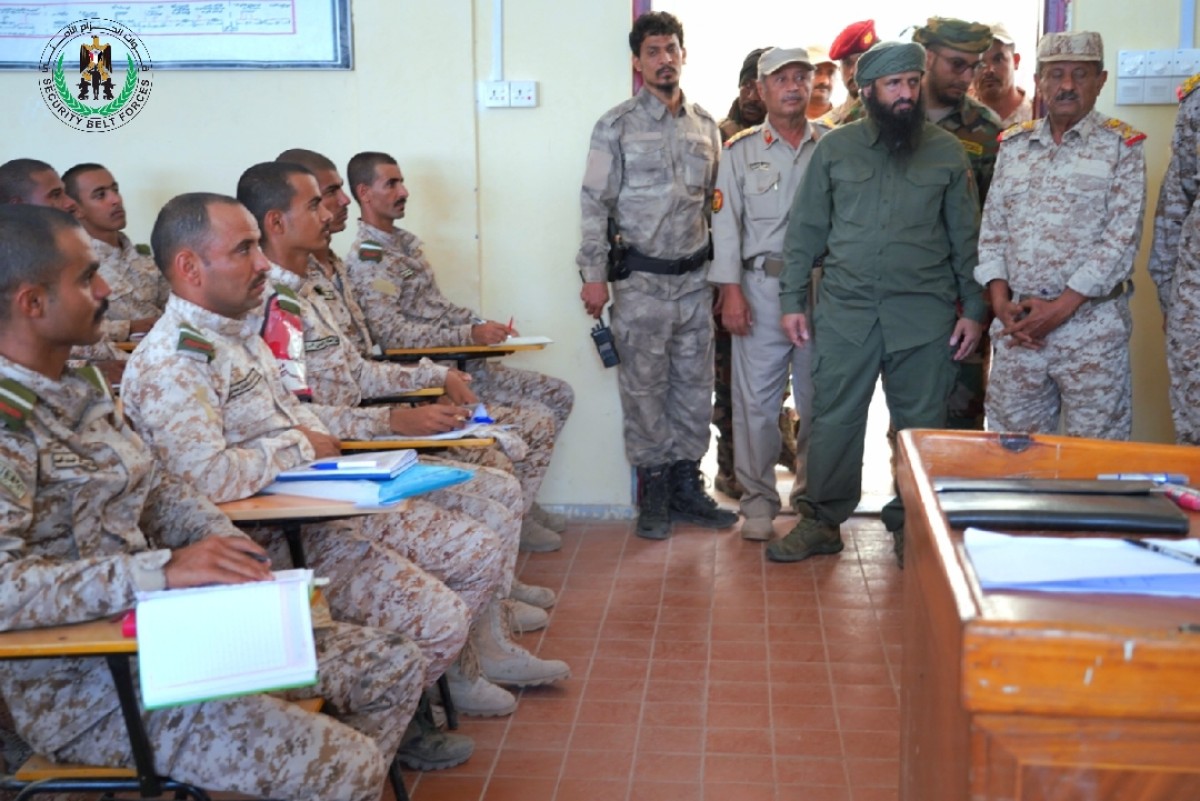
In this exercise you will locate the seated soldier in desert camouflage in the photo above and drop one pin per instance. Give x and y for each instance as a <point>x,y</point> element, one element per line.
<point>285,200</point>
<point>395,286</point>
<point>204,390</point>
<point>87,518</point>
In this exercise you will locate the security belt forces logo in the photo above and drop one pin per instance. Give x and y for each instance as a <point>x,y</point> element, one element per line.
<point>96,75</point>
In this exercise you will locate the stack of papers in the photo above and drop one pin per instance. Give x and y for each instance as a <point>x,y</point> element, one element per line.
<point>203,643</point>
<point>468,431</point>
<point>367,494</point>
<point>375,466</point>
<point>531,340</point>
<point>1085,564</point>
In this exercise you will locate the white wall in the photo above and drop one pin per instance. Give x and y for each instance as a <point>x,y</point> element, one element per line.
<point>494,193</point>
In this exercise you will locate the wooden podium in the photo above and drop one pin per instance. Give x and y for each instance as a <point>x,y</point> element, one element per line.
<point>1036,696</point>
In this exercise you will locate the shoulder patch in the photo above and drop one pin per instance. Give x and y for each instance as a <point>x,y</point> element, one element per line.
<point>143,249</point>
<point>1016,130</point>
<point>289,301</point>
<point>370,251</point>
<point>740,135</point>
<point>1187,87</point>
<point>16,404</point>
<point>91,374</point>
<point>1129,135</point>
<point>193,342</point>
<point>12,482</point>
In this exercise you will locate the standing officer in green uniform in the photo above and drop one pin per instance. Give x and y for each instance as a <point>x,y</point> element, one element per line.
<point>901,249</point>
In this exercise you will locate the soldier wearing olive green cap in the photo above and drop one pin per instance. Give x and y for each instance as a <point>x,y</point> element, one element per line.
<point>891,203</point>
<point>954,53</point>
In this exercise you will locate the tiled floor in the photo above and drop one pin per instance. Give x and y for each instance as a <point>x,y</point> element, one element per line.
<point>701,672</point>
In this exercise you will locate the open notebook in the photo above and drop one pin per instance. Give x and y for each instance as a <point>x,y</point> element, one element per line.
<point>202,643</point>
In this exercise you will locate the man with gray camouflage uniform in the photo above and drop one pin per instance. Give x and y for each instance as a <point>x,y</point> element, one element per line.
<point>204,391</point>
<point>396,289</point>
<point>285,199</point>
<point>89,518</point>
<point>757,180</point>
<point>1059,235</point>
<point>1175,264</point>
<point>651,169</point>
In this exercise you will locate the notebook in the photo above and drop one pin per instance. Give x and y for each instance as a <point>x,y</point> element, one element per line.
<point>375,466</point>
<point>367,494</point>
<point>204,643</point>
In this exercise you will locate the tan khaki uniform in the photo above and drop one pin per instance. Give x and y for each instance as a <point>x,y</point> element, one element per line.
<point>654,173</point>
<point>1175,264</point>
<point>405,308</point>
<point>204,391</point>
<point>1066,216</point>
<point>137,290</point>
<point>337,372</point>
<point>756,182</point>
<point>87,518</point>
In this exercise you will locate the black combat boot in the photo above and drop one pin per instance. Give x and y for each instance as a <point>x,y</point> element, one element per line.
<point>690,503</point>
<point>654,491</point>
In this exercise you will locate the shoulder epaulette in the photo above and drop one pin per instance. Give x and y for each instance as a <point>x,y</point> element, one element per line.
<point>91,374</point>
<point>702,112</point>
<point>742,134</point>
<point>289,301</point>
<point>143,249</point>
<point>1187,87</point>
<point>16,404</point>
<point>370,251</point>
<point>192,341</point>
<point>1130,135</point>
<point>1016,130</point>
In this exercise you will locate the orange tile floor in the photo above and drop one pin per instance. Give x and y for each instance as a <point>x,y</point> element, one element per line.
<point>700,671</point>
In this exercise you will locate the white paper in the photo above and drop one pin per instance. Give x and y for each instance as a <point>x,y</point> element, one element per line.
<point>532,340</point>
<point>382,464</point>
<point>1080,564</point>
<point>469,430</point>
<point>210,642</point>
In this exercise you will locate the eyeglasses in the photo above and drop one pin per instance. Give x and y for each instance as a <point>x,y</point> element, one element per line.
<point>961,65</point>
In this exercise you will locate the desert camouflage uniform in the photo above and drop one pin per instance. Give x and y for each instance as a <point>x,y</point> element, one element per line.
<point>398,291</point>
<point>88,517</point>
<point>340,378</point>
<point>757,180</point>
<point>204,391</point>
<point>850,111</point>
<point>654,173</point>
<point>138,290</point>
<point>1066,216</point>
<point>1175,264</point>
<point>335,368</point>
<point>1022,113</point>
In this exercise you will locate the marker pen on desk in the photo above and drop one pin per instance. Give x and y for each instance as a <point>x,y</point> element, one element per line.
<point>1182,556</point>
<point>1184,497</point>
<point>1157,478</point>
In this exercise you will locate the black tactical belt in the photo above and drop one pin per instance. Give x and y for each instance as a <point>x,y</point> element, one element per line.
<point>771,265</point>
<point>1120,290</point>
<point>646,264</point>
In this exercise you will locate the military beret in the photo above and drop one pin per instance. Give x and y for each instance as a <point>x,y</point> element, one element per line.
<point>857,37</point>
<point>889,58</point>
<point>1079,46</point>
<point>778,57</point>
<point>969,37</point>
<point>750,65</point>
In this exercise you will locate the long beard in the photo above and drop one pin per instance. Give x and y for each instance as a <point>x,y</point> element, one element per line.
<point>900,132</point>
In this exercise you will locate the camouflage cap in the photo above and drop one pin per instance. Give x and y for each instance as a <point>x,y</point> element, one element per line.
<point>1078,46</point>
<point>779,57</point>
<point>750,65</point>
<point>1001,34</point>
<point>857,37</point>
<point>969,37</point>
<point>889,58</point>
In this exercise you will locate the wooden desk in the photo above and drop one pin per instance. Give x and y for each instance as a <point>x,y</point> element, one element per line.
<point>459,354</point>
<point>417,395</point>
<point>1033,696</point>
<point>417,444</point>
<point>96,637</point>
<point>125,346</point>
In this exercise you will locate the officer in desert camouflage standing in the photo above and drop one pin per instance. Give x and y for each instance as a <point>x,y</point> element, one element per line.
<point>1175,263</point>
<point>651,168</point>
<point>854,40</point>
<point>1060,231</point>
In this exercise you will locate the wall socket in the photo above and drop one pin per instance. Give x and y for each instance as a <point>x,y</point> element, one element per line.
<point>505,94</point>
<point>1150,77</point>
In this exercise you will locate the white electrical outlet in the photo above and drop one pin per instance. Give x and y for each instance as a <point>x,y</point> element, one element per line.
<point>1131,64</point>
<point>523,94</point>
<point>494,94</point>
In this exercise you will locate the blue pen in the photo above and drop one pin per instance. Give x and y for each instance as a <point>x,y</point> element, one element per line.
<point>1157,478</point>
<point>324,466</point>
<point>480,415</point>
